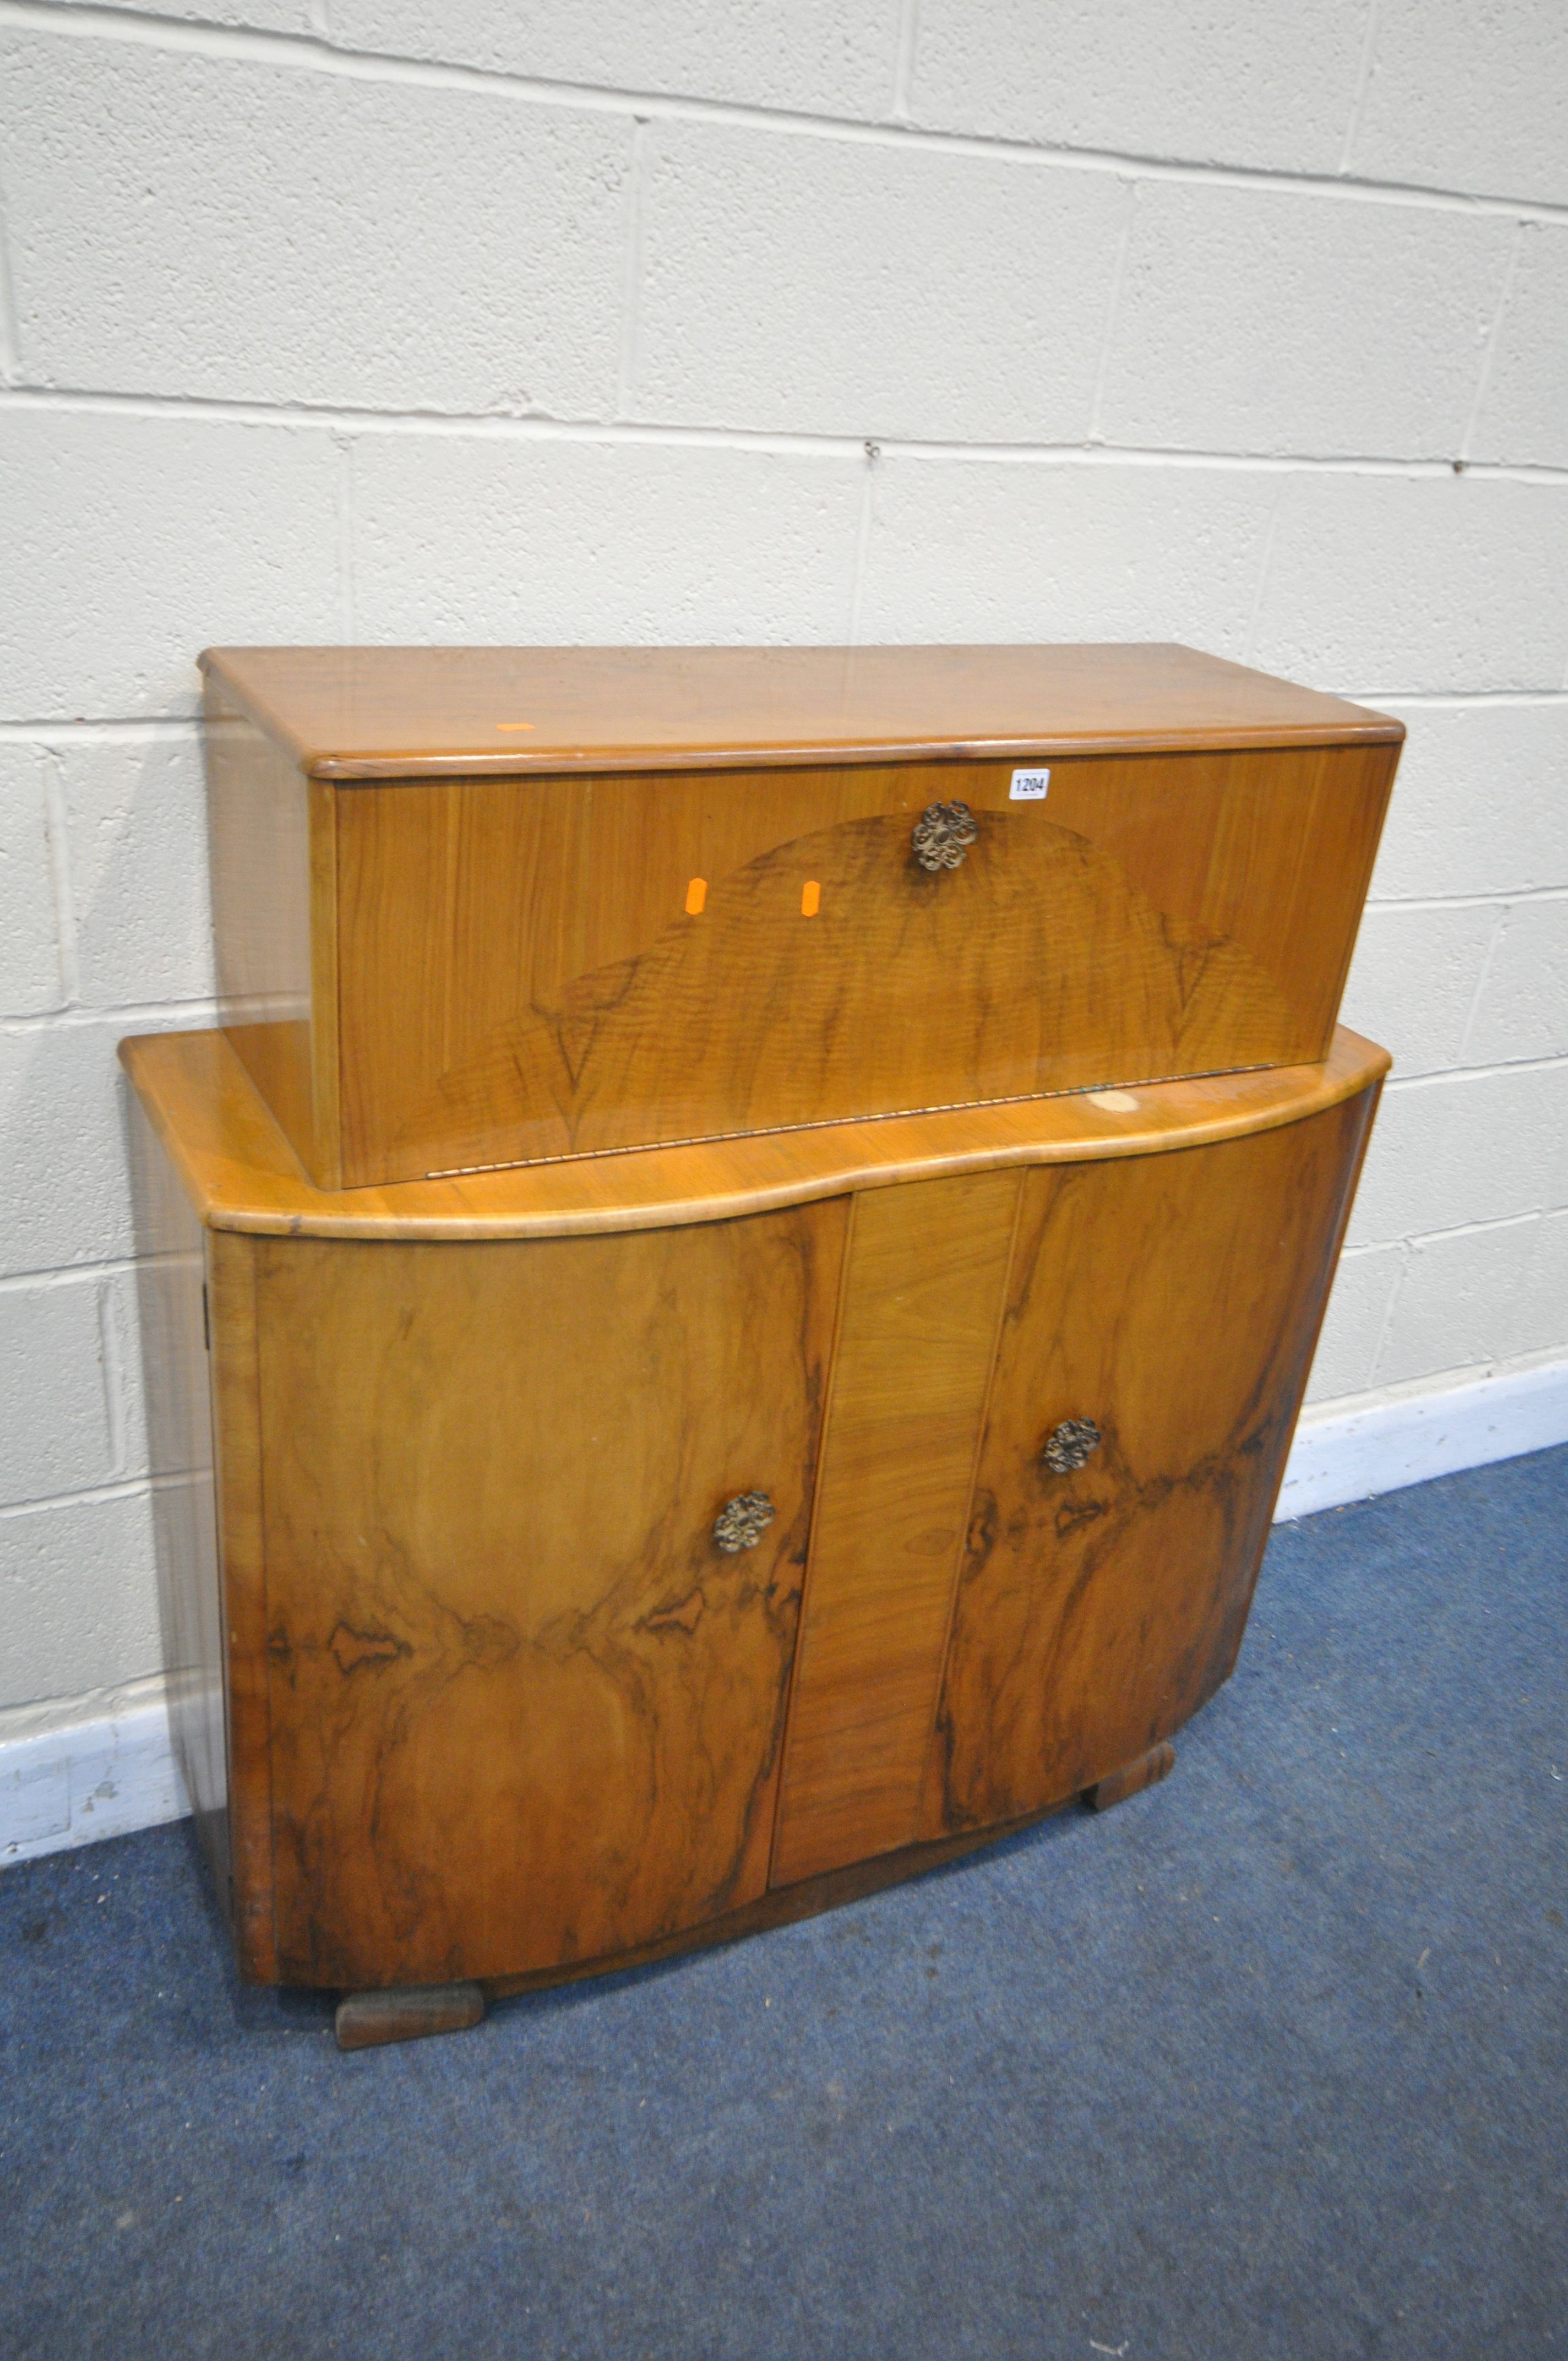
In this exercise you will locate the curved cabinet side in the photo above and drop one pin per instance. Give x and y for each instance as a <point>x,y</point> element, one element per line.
<point>1175,1300</point>
<point>170,1302</point>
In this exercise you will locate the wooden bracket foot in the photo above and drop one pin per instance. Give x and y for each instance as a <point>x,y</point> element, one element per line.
<point>1143,1771</point>
<point>406,2013</point>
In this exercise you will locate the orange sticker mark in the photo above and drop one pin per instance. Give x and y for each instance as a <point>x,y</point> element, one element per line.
<point>810,899</point>
<point>517,725</point>
<point>697,894</point>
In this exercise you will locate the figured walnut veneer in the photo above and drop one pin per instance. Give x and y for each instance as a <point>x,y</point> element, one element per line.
<point>492,906</point>
<point>468,1689</point>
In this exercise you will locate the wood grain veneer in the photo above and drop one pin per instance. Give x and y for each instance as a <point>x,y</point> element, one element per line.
<point>522,1709</point>
<point>1175,1300</point>
<point>924,1280</point>
<point>683,902</point>
<point>241,1174</point>
<point>407,712</point>
<point>474,1691</point>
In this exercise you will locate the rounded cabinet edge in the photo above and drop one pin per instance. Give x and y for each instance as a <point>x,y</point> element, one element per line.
<point>240,1174</point>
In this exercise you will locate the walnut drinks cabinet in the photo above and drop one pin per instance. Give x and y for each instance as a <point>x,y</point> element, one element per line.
<point>740,1502</point>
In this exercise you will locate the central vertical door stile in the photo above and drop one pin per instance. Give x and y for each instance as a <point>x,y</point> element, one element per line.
<point>846,1281</point>
<point>971,1500</point>
<point>925,1278</point>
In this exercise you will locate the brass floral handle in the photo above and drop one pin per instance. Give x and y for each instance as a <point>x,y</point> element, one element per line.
<point>943,835</point>
<point>742,1522</point>
<point>1071,1446</point>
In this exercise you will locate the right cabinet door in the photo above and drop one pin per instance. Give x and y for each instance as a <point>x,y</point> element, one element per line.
<point>1171,1302</point>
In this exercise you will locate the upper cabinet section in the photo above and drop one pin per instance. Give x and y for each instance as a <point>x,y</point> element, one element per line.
<point>485,907</point>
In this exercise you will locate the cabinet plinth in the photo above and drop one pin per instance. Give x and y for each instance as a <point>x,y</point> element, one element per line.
<point>587,1560</point>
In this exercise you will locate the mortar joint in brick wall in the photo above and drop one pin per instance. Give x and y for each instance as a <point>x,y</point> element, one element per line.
<point>905,51</point>
<point>313,53</point>
<point>860,562</point>
<point>540,425</point>
<point>343,445</point>
<point>92,1496</point>
<point>1494,941</point>
<point>57,826</point>
<point>109,730</point>
<point>1384,1327</point>
<point>1418,1238</point>
<point>112,1365</point>
<point>1113,312</point>
<point>1489,349</point>
<point>629,353</point>
<point>10,329</point>
<point>1448,1074</point>
<point>1265,559</point>
<point>1410,905</point>
<point>80,1274</point>
<point>155,1016</point>
<point>1363,82</point>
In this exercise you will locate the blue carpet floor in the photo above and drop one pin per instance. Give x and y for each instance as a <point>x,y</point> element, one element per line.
<point>1268,2063</point>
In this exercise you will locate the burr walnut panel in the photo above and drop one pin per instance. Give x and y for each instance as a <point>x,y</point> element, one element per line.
<point>523,1708</point>
<point>1173,1303</point>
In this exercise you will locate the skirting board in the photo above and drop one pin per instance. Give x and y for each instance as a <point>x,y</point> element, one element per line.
<point>1356,1453</point>
<point>83,1780</point>
<point>80,1781</point>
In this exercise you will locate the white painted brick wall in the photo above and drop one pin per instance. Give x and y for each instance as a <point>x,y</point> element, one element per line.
<point>1435,583</point>
<point>1259,320</point>
<point>1521,414</point>
<point>78,1601</point>
<point>1482,804</point>
<point>144,535</point>
<point>817,57</point>
<point>363,243</point>
<point>1464,95</point>
<point>29,939</point>
<point>841,287</point>
<point>620,540</point>
<point>56,1435</point>
<point>994,549</point>
<point>724,320</point>
<point>1226,83</point>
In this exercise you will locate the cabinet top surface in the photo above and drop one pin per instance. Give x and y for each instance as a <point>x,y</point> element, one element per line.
<point>370,713</point>
<point>241,1174</point>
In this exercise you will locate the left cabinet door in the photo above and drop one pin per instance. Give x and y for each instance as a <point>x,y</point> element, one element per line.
<point>524,1709</point>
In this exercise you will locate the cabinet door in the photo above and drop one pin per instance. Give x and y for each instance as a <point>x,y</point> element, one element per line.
<point>1174,1302</point>
<point>524,1709</point>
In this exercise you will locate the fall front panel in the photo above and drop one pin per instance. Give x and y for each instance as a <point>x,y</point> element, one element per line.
<point>545,967</point>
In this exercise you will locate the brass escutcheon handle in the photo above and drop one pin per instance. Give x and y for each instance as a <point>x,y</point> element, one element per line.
<point>1071,1446</point>
<point>742,1522</point>
<point>943,834</point>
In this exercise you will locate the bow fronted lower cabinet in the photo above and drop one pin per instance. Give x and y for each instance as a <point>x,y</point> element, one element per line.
<point>567,1564</point>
